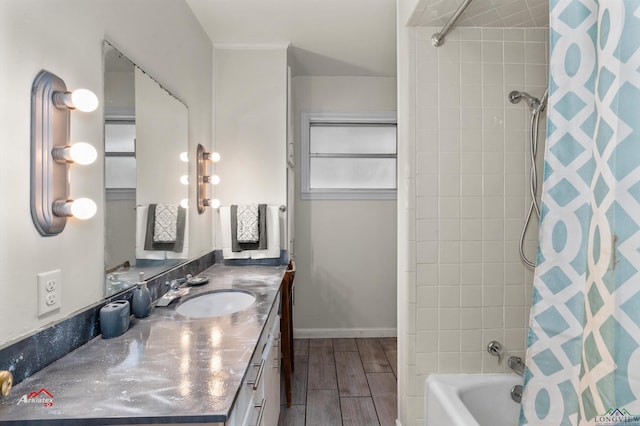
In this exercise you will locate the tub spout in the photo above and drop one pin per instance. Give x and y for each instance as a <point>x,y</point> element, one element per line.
<point>516,364</point>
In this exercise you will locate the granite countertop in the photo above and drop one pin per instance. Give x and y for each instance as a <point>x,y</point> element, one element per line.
<point>166,368</point>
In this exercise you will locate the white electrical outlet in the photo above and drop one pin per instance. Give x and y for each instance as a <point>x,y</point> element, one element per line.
<point>49,291</point>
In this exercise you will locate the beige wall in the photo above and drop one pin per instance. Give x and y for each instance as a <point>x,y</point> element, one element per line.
<point>250,126</point>
<point>345,251</point>
<point>65,37</point>
<point>465,168</point>
<point>161,129</point>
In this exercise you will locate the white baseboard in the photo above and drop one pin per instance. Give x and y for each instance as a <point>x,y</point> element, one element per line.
<point>338,333</point>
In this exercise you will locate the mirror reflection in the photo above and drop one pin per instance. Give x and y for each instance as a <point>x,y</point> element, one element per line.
<point>146,175</point>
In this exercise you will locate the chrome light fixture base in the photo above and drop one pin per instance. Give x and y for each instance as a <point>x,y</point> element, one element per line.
<point>201,189</point>
<point>51,153</point>
<point>49,130</point>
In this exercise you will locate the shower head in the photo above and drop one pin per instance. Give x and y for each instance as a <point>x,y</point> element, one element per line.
<point>536,105</point>
<point>517,96</point>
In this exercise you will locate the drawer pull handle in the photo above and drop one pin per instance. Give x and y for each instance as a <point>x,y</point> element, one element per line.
<point>256,382</point>
<point>261,412</point>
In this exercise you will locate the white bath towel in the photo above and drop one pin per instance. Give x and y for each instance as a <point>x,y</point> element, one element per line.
<point>273,236</point>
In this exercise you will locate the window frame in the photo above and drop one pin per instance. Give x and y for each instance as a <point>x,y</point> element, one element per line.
<point>308,193</point>
<point>119,193</point>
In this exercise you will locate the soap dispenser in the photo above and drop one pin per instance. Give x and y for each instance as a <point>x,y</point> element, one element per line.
<point>141,303</point>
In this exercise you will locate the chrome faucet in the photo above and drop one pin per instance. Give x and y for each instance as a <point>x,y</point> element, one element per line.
<point>175,284</point>
<point>176,291</point>
<point>516,364</point>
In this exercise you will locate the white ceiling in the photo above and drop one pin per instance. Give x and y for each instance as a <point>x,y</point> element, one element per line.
<point>348,37</point>
<point>328,37</point>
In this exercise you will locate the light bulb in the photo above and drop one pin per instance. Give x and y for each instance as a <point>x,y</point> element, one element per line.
<point>84,100</point>
<point>212,156</point>
<point>82,153</point>
<point>184,157</point>
<point>83,208</point>
<point>184,203</point>
<point>80,99</point>
<point>214,179</point>
<point>184,179</point>
<point>215,203</point>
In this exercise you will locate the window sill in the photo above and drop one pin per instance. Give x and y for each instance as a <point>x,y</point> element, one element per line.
<point>350,194</point>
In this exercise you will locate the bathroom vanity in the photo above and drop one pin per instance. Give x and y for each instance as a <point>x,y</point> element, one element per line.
<point>169,368</point>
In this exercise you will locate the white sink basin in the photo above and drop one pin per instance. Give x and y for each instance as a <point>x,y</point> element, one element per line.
<point>216,304</point>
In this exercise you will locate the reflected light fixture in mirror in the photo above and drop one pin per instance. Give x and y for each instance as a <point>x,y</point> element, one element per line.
<point>51,153</point>
<point>204,179</point>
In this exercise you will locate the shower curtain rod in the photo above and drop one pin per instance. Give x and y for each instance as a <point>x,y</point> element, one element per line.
<point>438,38</point>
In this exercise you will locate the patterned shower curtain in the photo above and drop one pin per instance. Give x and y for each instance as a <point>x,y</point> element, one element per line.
<point>583,359</point>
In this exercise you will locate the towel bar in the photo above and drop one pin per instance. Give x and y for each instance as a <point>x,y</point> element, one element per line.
<point>282,208</point>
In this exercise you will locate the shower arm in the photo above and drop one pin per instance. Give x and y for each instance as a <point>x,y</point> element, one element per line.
<point>437,39</point>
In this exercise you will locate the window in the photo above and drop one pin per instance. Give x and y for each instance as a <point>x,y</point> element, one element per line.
<point>349,156</point>
<point>120,159</point>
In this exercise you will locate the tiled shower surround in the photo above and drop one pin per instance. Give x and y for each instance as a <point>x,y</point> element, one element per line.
<point>468,194</point>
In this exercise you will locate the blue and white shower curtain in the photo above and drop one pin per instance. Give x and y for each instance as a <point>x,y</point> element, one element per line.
<point>583,360</point>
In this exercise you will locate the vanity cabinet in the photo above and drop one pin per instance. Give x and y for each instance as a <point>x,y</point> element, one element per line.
<point>258,401</point>
<point>271,389</point>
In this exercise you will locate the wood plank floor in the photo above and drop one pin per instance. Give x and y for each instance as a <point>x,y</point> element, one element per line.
<point>350,382</point>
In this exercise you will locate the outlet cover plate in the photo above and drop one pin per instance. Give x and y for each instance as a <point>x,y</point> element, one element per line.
<point>49,291</point>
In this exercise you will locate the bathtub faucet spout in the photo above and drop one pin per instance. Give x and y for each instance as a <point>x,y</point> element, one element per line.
<point>516,364</point>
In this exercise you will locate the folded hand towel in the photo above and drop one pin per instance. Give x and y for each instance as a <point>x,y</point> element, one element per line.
<point>232,250</point>
<point>144,236</point>
<point>261,243</point>
<point>150,242</point>
<point>226,223</point>
<point>166,223</point>
<point>247,217</point>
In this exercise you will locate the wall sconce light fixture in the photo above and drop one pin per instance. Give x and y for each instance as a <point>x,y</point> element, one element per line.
<point>51,153</point>
<point>204,178</point>
<point>214,157</point>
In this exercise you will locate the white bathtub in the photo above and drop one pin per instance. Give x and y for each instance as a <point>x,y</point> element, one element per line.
<point>471,400</point>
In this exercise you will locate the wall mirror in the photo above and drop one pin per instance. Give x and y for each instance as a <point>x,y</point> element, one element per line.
<point>146,174</point>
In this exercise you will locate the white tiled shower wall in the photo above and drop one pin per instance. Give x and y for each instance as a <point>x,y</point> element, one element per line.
<point>468,196</point>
